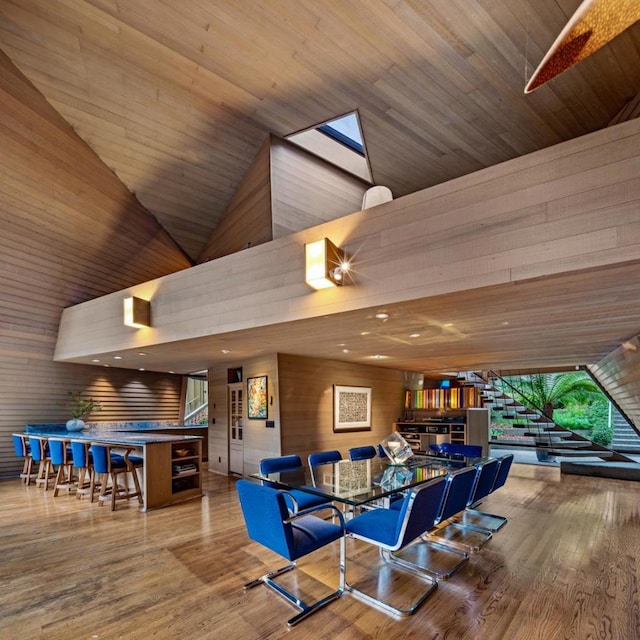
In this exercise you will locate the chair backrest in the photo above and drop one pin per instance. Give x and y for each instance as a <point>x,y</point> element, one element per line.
<point>457,492</point>
<point>485,478</point>
<point>503,471</point>
<point>80,453</point>
<point>420,511</point>
<point>321,458</point>
<point>455,450</point>
<point>38,448</point>
<point>101,458</point>
<point>58,451</point>
<point>324,457</point>
<point>279,464</point>
<point>362,453</point>
<point>265,514</point>
<point>20,445</point>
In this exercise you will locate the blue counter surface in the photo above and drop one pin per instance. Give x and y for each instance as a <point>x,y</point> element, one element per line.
<point>136,439</point>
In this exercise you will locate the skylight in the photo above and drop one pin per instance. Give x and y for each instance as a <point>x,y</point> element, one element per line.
<point>345,130</point>
<point>338,141</point>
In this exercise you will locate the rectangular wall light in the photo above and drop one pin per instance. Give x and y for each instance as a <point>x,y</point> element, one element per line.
<point>323,261</point>
<point>137,312</point>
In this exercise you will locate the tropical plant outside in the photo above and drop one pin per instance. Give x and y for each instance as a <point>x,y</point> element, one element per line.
<point>572,400</point>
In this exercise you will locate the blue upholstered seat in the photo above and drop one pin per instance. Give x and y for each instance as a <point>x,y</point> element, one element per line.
<point>109,466</point>
<point>363,453</point>
<point>22,450</point>
<point>456,451</point>
<point>393,529</point>
<point>268,522</point>
<point>83,462</point>
<point>297,500</point>
<point>40,453</point>
<point>479,519</point>
<point>62,461</point>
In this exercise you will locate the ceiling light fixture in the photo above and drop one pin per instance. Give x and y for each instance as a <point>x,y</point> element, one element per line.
<point>382,315</point>
<point>117,357</point>
<point>325,264</point>
<point>137,312</point>
<point>594,24</point>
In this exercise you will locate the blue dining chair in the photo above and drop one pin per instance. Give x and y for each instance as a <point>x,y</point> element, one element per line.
<point>362,453</point>
<point>431,553</point>
<point>321,458</point>
<point>109,466</point>
<point>268,522</point>
<point>392,529</point>
<point>22,450</point>
<point>297,499</point>
<point>489,521</point>
<point>460,529</point>
<point>62,461</point>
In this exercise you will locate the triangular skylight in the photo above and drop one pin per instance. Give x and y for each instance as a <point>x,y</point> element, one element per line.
<point>338,141</point>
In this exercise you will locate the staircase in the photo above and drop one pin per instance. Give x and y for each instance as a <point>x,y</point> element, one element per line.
<point>625,438</point>
<point>514,424</point>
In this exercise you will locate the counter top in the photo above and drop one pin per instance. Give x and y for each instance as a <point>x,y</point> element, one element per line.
<point>134,438</point>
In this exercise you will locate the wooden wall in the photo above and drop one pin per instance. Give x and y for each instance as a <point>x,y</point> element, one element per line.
<point>619,374</point>
<point>247,220</point>
<point>307,191</point>
<point>306,403</point>
<point>259,441</point>
<point>286,189</point>
<point>70,232</point>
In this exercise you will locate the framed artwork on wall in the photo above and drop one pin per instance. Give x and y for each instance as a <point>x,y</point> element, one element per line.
<point>257,408</point>
<point>351,408</point>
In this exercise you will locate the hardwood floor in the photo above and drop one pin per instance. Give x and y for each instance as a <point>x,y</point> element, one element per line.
<point>566,567</point>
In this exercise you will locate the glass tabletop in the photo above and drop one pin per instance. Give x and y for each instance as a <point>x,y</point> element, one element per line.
<point>362,481</point>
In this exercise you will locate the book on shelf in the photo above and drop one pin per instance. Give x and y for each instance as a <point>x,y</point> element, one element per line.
<point>443,398</point>
<point>183,469</point>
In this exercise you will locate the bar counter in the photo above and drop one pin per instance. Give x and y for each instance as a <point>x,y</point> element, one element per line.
<point>163,480</point>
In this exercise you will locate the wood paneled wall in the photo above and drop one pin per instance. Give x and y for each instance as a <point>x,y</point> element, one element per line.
<point>306,403</point>
<point>307,191</point>
<point>247,220</point>
<point>619,374</point>
<point>259,441</point>
<point>70,232</point>
<point>286,189</point>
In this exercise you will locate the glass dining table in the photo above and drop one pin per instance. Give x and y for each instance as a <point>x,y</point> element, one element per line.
<point>359,482</point>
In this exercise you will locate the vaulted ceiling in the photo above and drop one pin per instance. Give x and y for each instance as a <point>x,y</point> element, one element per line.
<point>176,97</point>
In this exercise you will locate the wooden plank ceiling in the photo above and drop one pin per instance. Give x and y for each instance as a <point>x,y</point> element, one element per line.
<point>177,97</point>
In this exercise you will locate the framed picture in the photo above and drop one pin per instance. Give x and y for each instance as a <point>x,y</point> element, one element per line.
<point>351,408</point>
<point>257,408</point>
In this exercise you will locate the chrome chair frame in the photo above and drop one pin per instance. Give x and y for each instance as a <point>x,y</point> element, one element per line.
<point>286,546</point>
<point>418,513</point>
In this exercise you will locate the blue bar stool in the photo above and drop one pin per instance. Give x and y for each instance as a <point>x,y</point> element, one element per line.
<point>109,466</point>
<point>61,458</point>
<point>83,462</point>
<point>22,450</point>
<point>40,454</point>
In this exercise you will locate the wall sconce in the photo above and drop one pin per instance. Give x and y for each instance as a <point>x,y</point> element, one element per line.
<point>325,264</point>
<point>137,312</point>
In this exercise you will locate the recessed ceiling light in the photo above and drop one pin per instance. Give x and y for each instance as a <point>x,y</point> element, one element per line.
<point>414,335</point>
<point>141,369</point>
<point>171,371</point>
<point>95,360</point>
<point>345,351</point>
<point>117,357</point>
<point>142,353</point>
<point>382,315</point>
<point>225,350</point>
<point>107,365</point>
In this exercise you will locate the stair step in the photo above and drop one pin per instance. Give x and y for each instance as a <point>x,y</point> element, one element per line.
<point>544,433</point>
<point>579,453</point>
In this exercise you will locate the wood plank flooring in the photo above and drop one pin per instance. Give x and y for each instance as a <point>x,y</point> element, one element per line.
<point>566,567</point>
